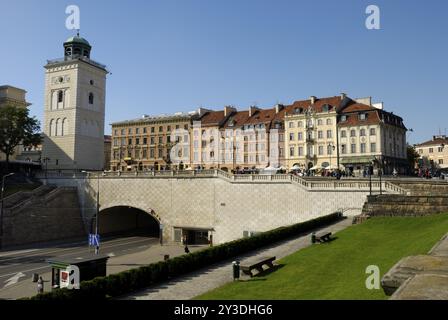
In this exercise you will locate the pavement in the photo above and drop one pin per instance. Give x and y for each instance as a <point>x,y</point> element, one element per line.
<point>18,266</point>
<point>196,283</point>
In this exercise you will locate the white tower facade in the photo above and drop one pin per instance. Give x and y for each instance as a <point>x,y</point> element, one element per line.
<point>75,98</point>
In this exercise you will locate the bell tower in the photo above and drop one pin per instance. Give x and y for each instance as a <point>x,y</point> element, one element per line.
<point>74,113</point>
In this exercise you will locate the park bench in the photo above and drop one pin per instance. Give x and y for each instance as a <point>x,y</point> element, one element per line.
<point>257,264</point>
<point>321,237</point>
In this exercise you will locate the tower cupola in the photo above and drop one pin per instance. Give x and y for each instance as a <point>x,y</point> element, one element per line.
<point>77,47</point>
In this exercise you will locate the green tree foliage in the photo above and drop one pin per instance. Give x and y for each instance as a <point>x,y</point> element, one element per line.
<point>413,157</point>
<point>17,127</point>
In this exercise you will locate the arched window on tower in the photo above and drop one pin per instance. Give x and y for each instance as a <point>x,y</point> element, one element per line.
<point>51,128</point>
<point>64,129</point>
<point>91,97</point>
<point>60,96</point>
<point>77,51</point>
<point>57,130</point>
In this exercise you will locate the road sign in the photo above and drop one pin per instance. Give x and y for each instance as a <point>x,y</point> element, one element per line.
<point>94,240</point>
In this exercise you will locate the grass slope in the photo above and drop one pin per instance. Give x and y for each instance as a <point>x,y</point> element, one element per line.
<point>337,270</point>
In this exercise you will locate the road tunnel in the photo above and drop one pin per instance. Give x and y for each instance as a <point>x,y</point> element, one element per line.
<point>127,221</point>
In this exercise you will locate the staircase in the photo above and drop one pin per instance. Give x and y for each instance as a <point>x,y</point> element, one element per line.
<point>45,214</point>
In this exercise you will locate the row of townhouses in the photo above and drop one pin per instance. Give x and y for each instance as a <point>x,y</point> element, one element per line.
<point>333,132</point>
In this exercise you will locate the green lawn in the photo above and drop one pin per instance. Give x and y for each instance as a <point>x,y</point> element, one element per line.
<point>337,270</point>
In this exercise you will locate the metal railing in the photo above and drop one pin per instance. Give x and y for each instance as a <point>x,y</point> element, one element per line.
<point>308,184</point>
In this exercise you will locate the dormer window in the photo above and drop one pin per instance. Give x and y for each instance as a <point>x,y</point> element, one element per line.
<point>343,118</point>
<point>362,116</point>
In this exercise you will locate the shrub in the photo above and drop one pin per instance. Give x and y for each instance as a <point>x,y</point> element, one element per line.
<point>131,280</point>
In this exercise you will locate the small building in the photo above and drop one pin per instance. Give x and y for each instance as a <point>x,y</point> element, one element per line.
<point>433,153</point>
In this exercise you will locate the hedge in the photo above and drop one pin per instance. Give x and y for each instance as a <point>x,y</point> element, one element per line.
<point>135,279</point>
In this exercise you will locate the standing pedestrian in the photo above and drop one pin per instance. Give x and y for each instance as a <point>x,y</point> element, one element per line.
<point>40,285</point>
<point>186,249</point>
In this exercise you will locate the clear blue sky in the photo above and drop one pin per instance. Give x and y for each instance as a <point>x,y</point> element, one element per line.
<point>169,56</point>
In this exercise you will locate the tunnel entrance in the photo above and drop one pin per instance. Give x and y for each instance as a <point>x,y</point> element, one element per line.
<point>127,221</point>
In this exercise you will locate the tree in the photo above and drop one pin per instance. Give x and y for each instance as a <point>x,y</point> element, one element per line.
<point>17,127</point>
<point>413,157</point>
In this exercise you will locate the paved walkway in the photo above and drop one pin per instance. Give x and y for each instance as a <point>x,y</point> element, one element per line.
<point>196,283</point>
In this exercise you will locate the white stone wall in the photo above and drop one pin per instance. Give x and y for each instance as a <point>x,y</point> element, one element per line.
<point>213,203</point>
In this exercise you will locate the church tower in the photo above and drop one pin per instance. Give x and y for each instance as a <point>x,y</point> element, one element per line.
<point>74,109</point>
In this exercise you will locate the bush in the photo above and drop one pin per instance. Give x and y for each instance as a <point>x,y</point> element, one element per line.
<point>135,279</point>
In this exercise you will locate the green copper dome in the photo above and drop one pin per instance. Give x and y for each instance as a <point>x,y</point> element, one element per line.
<point>77,39</point>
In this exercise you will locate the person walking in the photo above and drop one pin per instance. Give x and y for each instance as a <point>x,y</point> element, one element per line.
<point>40,285</point>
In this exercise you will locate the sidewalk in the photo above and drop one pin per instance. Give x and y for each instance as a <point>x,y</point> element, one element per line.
<point>201,281</point>
<point>26,288</point>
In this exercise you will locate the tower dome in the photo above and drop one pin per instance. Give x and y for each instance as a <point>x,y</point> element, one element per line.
<point>76,47</point>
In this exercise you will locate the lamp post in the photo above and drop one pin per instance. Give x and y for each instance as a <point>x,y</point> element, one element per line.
<point>97,248</point>
<point>1,212</point>
<point>46,159</point>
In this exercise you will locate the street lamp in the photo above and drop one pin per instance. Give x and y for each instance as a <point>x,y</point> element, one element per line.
<point>1,212</point>
<point>46,159</point>
<point>97,248</point>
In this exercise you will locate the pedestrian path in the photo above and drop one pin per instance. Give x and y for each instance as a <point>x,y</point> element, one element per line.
<point>196,283</point>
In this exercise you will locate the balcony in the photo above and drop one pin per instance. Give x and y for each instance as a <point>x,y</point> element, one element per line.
<point>310,140</point>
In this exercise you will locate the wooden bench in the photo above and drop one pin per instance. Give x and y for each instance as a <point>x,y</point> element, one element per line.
<point>256,264</point>
<point>321,237</point>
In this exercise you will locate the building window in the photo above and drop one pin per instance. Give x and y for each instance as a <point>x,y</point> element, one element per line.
<point>343,118</point>
<point>362,116</point>
<point>300,124</point>
<point>343,134</point>
<point>300,151</point>
<point>291,124</point>
<point>291,151</point>
<point>319,122</point>
<point>353,148</point>
<point>372,132</point>
<point>321,150</point>
<point>343,149</point>
<point>291,137</point>
<point>320,134</point>
<point>329,134</point>
<point>373,147</point>
<point>130,131</point>
<point>431,150</point>
<point>90,98</point>
<point>329,122</point>
<point>300,136</point>
<point>352,133</point>
<point>330,150</point>
<point>60,96</point>
<point>137,141</point>
<point>440,161</point>
<point>130,141</point>
<point>440,149</point>
<point>152,129</point>
<point>362,132</point>
<point>160,140</point>
<point>363,148</point>
<point>160,129</point>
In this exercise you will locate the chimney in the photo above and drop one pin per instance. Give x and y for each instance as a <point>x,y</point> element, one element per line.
<point>278,108</point>
<point>343,96</point>
<point>228,110</point>
<point>313,99</point>
<point>252,110</point>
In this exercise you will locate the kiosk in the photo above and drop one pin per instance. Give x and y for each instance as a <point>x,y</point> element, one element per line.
<point>89,266</point>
